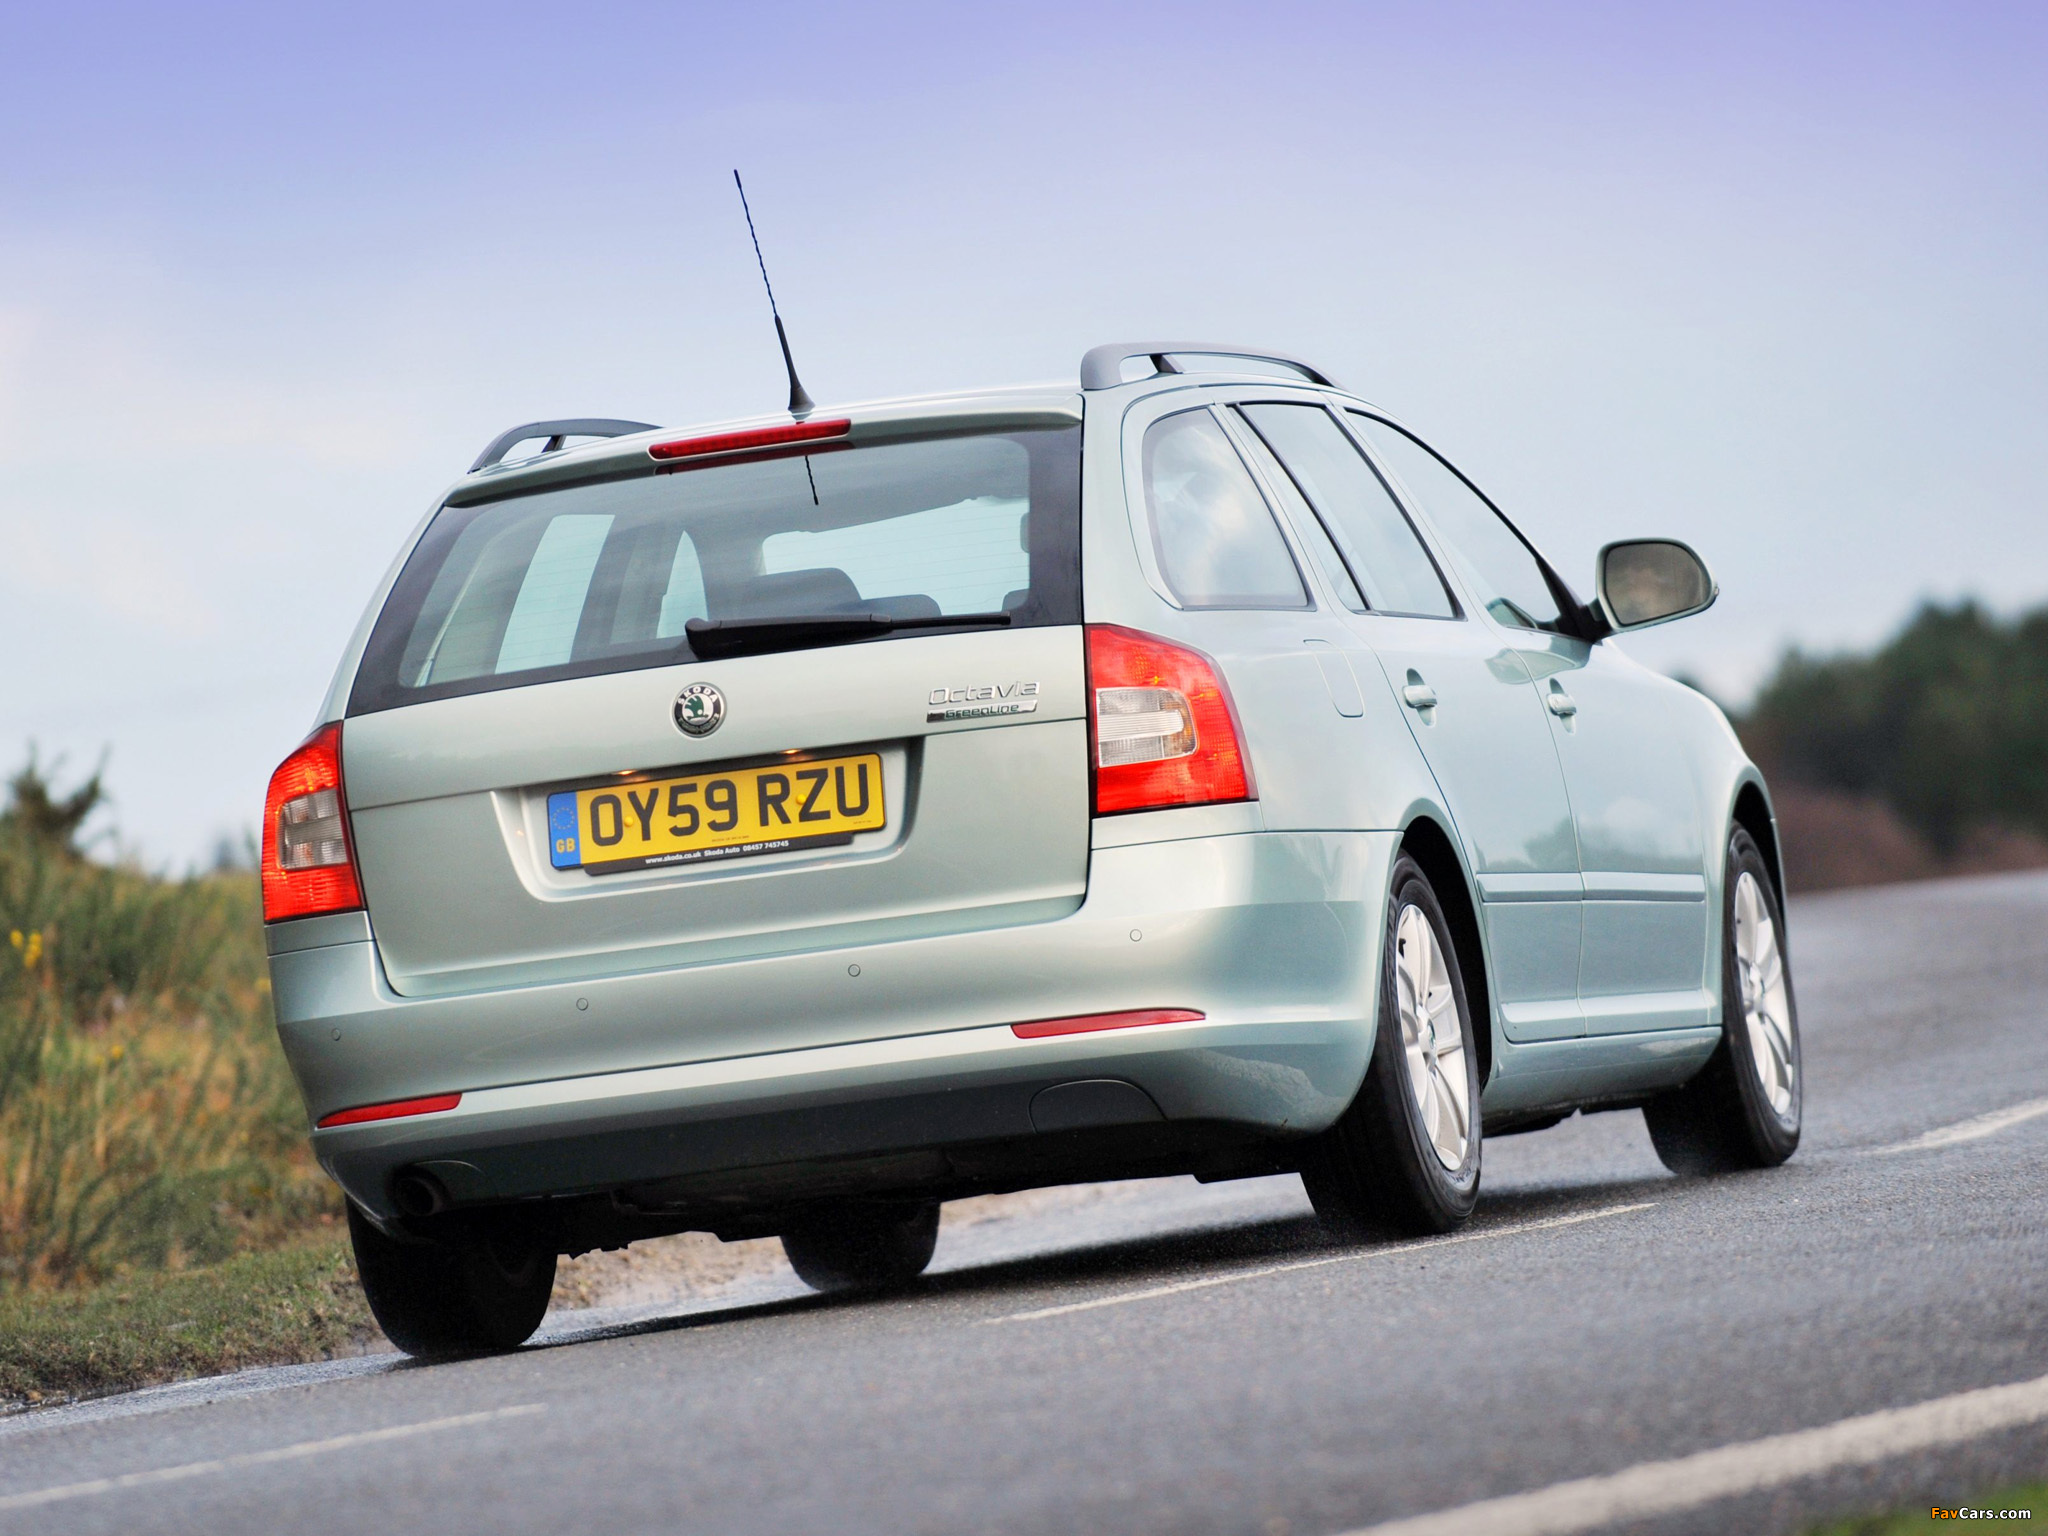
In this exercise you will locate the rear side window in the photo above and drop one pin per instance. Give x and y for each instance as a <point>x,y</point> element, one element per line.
<point>1502,570</point>
<point>1380,545</point>
<point>1306,524</point>
<point>604,576</point>
<point>1214,535</point>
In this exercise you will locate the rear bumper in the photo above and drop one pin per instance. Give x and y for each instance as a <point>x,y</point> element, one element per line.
<point>594,1085</point>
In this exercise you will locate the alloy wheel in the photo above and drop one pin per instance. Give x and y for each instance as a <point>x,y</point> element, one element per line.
<point>1766,1005</point>
<point>1432,1038</point>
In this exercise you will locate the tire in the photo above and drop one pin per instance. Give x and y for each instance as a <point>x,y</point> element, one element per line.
<point>1404,1158</point>
<point>481,1296</point>
<point>863,1245</point>
<point>1743,1109</point>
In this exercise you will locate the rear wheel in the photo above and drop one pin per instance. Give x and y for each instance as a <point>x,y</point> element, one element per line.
<point>1743,1109</point>
<point>1404,1158</point>
<point>861,1245</point>
<point>481,1295</point>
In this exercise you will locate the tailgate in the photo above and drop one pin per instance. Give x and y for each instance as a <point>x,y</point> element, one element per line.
<point>627,722</point>
<point>984,818</point>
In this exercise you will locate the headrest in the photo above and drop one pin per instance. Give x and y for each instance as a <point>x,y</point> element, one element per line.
<point>824,590</point>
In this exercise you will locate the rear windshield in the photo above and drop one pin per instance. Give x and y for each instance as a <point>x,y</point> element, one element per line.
<point>604,577</point>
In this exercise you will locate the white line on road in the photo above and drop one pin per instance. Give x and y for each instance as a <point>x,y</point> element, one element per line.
<point>1342,1258</point>
<point>297,1452</point>
<point>1664,1487</point>
<point>1968,1130</point>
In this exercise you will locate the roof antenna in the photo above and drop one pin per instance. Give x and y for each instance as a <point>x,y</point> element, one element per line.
<point>800,404</point>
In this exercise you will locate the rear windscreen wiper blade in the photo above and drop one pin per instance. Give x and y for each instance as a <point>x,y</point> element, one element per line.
<point>713,638</point>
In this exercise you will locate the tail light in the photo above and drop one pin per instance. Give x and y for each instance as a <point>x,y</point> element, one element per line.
<point>1161,726</point>
<point>308,866</point>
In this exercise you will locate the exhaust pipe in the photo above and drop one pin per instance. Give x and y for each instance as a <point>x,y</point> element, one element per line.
<point>417,1193</point>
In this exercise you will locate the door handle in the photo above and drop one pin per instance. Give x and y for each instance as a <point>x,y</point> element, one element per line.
<point>1560,702</point>
<point>1419,696</point>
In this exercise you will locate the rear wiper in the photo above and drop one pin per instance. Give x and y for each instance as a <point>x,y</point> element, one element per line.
<point>713,638</point>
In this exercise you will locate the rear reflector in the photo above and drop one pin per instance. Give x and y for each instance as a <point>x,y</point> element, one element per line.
<point>1161,725</point>
<point>754,441</point>
<point>397,1109</point>
<point>1088,1023</point>
<point>307,865</point>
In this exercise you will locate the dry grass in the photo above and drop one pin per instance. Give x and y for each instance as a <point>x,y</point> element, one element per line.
<point>147,1119</point>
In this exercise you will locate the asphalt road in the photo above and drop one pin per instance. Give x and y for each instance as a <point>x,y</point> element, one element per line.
<point>1164,1357</point>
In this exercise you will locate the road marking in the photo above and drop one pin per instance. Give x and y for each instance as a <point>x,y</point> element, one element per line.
<point>297,1452</point>
<point>1968,1130</point>
<point>1342,1258</point>
<point>1664,1487</point>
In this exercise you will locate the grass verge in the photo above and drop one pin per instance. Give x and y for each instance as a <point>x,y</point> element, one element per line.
<point>286,1305</point>
<point>1921,1517</point>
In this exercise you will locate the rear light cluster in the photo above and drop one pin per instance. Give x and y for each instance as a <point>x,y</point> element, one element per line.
<point>1161,726</point>
<point>308,866</point>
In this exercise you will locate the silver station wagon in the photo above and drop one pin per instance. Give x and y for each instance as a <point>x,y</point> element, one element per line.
<point>785,826</point>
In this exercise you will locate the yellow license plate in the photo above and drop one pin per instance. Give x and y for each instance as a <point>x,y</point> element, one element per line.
<point>732,813</point>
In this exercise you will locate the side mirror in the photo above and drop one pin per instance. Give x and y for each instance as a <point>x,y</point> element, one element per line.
<point>1641,582</point>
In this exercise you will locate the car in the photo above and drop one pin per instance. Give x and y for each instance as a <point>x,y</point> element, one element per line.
<point>785,826</point>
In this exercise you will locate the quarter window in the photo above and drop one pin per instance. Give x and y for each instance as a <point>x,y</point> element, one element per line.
<point>1501,568</point>
<point>1215,537</point>
<point>1381,546</point>
<point>1305,521</point>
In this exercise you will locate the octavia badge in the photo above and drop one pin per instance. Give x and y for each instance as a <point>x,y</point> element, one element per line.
<point>700,710</point>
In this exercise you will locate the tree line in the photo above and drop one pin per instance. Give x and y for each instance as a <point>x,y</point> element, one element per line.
<point>1946,724</point>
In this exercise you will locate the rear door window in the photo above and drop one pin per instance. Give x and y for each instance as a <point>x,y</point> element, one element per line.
<point>1380,545</point>
<point>605,576</point>
<point>1215,538</point>
<point>1494,559</point>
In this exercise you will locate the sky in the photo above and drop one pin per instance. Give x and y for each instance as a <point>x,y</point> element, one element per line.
<point>1769,278</point>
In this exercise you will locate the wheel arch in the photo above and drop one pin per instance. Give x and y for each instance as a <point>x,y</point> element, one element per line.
<point>1751,811</point>
<point>1432,847</point>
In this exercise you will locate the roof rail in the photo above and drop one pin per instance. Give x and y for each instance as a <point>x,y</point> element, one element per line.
<point>1103,366</point>
<point>555,432</point>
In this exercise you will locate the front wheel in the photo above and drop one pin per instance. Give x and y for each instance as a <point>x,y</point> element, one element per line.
<point>1743,1109</point>
<point>482,1295</point>
<point>1404,1158</point>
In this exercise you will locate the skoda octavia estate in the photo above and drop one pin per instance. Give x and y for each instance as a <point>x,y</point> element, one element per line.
<point>785,826</point>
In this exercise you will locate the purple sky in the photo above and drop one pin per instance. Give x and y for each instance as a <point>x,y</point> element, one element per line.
<point>1770,278</point>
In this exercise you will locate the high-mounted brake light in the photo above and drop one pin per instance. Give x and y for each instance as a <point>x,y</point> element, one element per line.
<point>308,865</point>
<point>796,433</point>
<point>397,1109</point>
<point>1161,727</point>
